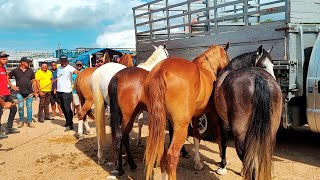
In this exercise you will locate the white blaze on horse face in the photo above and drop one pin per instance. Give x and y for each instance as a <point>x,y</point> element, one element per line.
<point>269,67</point>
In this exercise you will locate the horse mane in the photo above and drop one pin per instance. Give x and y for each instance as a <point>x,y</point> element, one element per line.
<point>245,60</point>
<point>152,60</point>
<point>203,59</point>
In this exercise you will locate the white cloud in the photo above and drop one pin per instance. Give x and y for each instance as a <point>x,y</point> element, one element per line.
<point>113,16</point>
<point>123,39</point>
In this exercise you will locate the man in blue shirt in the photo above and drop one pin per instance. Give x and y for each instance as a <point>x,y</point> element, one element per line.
<point>54,98</point>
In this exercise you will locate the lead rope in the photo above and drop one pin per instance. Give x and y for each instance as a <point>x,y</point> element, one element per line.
<point>30,95</point>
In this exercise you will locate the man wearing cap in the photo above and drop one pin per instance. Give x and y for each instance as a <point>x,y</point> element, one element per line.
<point>26,85</point>
<point>64,90</point>
<point>54,98</point>
<point>44,85</point>
<point>6,97</point>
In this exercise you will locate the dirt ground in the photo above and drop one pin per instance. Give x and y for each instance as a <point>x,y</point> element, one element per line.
<point>47,152</point>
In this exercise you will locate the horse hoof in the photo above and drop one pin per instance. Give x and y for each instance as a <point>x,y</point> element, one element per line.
<point>118,172</point>
<point>100,162</point>
<point>111,178</point>
<point>80,137</point>
<point>198,166</point>
<point>133,167</point>
<point>222,171</point>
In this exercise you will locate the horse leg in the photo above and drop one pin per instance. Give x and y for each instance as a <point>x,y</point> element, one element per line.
<point>164,175</point>
<point>179,137</point>
<point>184,153</point>
<point>131,162</point>
<point>196,139</point>
<point>80,129</point>
<point>222,170</point>
<point>140,124</point>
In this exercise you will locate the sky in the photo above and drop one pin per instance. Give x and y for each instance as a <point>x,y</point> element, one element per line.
<point>31,25</point>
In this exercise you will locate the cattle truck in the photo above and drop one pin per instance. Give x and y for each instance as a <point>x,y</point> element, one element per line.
<point>291,27</point>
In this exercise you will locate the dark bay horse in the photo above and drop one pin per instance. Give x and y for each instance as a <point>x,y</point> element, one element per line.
<point>248,101</point>
<point>84,91</point>
<point>178,89</point>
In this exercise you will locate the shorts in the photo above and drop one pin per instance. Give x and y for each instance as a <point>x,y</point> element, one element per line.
<point>76,100</point>
<point>54,98</point>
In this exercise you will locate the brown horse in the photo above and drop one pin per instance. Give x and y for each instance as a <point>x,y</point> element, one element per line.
<point>85,93</point>
<point>178,89</point>
<point>126,102</point>
<point>249,102</point>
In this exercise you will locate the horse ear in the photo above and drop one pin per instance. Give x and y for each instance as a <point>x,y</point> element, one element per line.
<point>165,46</point>
<point>227,46</point>
<point>259,50</point>
<point>155,47</point>
<point>269,51</point>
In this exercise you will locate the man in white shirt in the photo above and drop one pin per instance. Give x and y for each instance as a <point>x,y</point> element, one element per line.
<point>64,90</point>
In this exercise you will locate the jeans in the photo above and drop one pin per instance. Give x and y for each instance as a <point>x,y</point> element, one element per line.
<point>44,105</point>
<point>21,107</point>
<point>13,111</point>
<point>65,103</point>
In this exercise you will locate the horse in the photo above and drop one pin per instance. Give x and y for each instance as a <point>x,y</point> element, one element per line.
<point>178,89</point>
<point>248,101</point>
<point>85,93</point>
<point>99,84</point>
<point>124,109</point>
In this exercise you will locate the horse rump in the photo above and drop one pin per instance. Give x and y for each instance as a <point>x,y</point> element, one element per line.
<point>257,145</point>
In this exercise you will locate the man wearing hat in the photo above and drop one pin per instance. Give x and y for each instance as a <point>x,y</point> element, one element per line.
<point>64,90</point>
<point>6,97</point>
<point>26,87</point>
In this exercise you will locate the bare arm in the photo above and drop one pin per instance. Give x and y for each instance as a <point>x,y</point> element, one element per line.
<point>16,88</point>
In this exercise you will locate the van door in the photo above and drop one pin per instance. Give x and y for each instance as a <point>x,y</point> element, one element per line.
<point>313,88</point>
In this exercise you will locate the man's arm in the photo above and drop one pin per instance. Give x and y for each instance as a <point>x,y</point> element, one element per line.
<point>16,88</point>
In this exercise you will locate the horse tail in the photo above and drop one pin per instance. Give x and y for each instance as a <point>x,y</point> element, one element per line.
<point>99,111</point>
<point>157,123</point>
<point>258,147</point>
<point>115,111</point>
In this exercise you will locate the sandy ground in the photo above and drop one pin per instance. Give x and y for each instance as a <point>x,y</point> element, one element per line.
<point>47,152</point>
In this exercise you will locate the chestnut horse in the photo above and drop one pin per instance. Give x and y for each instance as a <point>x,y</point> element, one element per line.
<point>178,89</point>
<point>249,102</point>
<point>85,94</point>
<point>99,84</point>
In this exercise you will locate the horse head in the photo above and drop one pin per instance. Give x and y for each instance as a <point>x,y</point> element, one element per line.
<point>216,56</point>
<point>127,60</point>
<point>264,60</point>
<point>158,55</point>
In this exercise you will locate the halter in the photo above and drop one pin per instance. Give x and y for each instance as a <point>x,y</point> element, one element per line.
<point>209,63</point>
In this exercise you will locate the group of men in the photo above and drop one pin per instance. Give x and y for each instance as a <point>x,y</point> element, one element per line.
<point>51,86</point>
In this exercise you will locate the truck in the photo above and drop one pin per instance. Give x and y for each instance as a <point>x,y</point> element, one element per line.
<point>291,27</point>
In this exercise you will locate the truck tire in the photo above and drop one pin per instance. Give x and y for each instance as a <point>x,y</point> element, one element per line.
<point>205,128</point>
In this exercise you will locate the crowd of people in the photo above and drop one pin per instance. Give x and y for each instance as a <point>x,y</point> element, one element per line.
<point>53,87</point>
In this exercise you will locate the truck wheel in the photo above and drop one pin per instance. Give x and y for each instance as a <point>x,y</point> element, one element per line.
<point>205,128</point>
